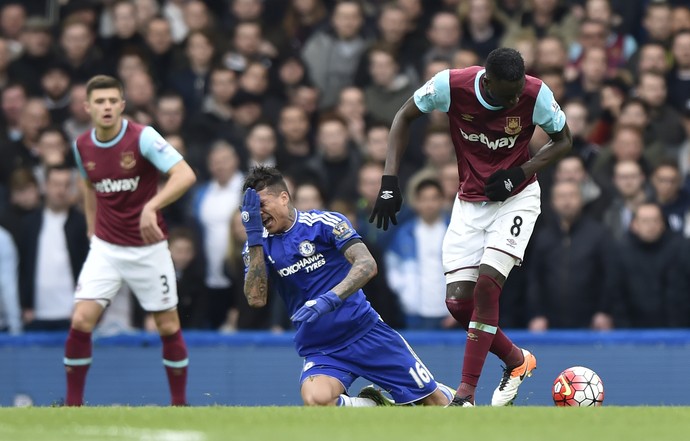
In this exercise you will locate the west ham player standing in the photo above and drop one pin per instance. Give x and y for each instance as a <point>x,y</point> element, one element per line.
<point>120,163</point>
<point>318,264</point>
<point>492,113</point>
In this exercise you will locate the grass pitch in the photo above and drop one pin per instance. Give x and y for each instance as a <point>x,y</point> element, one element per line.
<point>336,424</point>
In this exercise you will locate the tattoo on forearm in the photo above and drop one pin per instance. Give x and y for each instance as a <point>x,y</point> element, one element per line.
<point>256,279</point>
<point>363,269</point>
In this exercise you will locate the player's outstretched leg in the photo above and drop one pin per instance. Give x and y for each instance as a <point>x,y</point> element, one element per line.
<point>372,393</point>
<point>507,390</point>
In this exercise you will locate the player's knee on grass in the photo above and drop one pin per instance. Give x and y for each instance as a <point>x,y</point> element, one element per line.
<point>321,390</point>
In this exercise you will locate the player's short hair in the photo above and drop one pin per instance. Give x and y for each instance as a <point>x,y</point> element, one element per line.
<point>261,177</point>
<point>505,64</point>
<point>103,82</point>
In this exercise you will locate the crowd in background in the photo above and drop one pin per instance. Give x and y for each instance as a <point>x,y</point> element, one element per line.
<point>311,86</point>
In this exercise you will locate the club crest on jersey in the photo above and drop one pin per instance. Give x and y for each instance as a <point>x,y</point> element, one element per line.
<point>513,126</point>
<point>343,231</point>
<point>306,248</point>
<point>127,160</point>
<point>90,165</point>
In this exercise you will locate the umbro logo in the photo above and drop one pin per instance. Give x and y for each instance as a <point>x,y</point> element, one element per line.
<point>509,184</point>
<point>387,194</point>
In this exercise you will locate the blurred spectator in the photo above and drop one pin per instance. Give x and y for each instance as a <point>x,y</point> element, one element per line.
<point>351,105</point>
<point>665,121</point>
<point>140,95</point>
<point>212,204</point>
<point>248,45</point>
<point>53,248</point>
<point>307,195</point>
<point>448,177</point>
<point>261,146</point>
<point>78,52</point>
<point>25,196</point>
<point>131,60</point>
<point>301,19</point>
<point>593,200</point>
<point>295,145</point>
<point>169,114</point>
<point>462,58</point>
<point>197,17</point>
<point>332,55</point>
<point>390,87</point>
<point>191,291</point>
<point>590,81</point>
<point>657,23</point>
<point>10,314</point>
<point>680,18</point>
<point>34,117</point>
<point>55,85</point>
<point>545,17</point>
<point>576,117</point>
<point>630,192</point>
<point>146,11</point>
<point>481,26</point>
<point>627,145</point>
<point>37,40</point>
<point>672,198</point>
<point>53,149</point>
<point>160,47</point>
<point>79,119</point>
<point>191,81</point>
<point>551,56</point>
<point>173,12</point>
<point>413,259</point>
<point>444,37</point>
<point>125,30</point>
<point>568,267</point>
<point>376,142</point>
<point>555,79</point>
<point>13,100</point>
<point>650,287</point>
<point>679,78</point>
<point>652,58</point>
<point>336,161</point>
<point>438,150</point>
<point>12,21</point>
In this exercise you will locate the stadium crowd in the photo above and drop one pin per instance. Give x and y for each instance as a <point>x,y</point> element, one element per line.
<point>312,86</point>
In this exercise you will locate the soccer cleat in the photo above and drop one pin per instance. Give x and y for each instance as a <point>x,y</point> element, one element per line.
<point>461,402</point>
<point>507,390</point>
<point>375,395</point>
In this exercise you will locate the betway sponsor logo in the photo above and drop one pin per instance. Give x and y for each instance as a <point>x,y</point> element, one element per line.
<point>309,264</point>
<point>508,141</point>
<point>117,185</point>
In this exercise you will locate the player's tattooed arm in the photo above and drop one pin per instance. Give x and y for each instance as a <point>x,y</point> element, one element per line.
<point>363,269</point>
<point>560,144</point>
<point>256,279</point>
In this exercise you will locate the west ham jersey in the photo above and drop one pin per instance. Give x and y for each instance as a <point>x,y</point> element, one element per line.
<point>488,138</point>
<point>305,262</point>
<point>124,175</point>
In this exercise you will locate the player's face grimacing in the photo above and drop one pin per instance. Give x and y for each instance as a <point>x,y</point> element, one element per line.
<point>105,107</point>
<point>505,93</point>
<point>275,210</point>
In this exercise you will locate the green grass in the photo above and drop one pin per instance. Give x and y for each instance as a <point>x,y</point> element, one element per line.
<point>335,424</point>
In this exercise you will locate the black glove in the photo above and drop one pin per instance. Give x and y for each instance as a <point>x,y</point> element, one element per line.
<point>501,184</point>
<point>388,202</point>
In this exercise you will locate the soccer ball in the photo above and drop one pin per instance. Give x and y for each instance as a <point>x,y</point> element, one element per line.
<point>578,386</point>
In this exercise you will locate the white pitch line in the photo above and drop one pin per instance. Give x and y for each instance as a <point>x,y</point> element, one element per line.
<point>116,432</point>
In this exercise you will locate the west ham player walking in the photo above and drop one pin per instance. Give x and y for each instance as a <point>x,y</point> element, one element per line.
<point>120,163</point>
<point>492,113</point>
<point>318,264</point>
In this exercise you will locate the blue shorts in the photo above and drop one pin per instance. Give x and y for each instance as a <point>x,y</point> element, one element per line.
<point>382,356</point>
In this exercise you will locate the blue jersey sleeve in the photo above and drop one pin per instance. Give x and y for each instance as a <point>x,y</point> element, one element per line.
<point>338,230</point>
<point>157,150</point>
<point>547,113</point>
<point>77,158</point>
<point>435,93</point>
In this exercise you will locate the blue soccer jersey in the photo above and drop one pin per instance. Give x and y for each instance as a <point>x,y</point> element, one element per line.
<point>307,261</point>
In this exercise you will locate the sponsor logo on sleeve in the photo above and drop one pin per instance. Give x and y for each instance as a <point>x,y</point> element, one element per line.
<point>343,230</point>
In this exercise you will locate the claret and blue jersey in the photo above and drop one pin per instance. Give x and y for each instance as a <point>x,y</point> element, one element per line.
<point>306,261</point>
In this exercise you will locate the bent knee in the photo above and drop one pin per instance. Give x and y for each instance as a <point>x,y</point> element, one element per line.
<point>318,398</point>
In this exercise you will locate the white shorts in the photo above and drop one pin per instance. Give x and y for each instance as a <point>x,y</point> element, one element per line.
<point>147,270</point>
<point>477,226</point>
